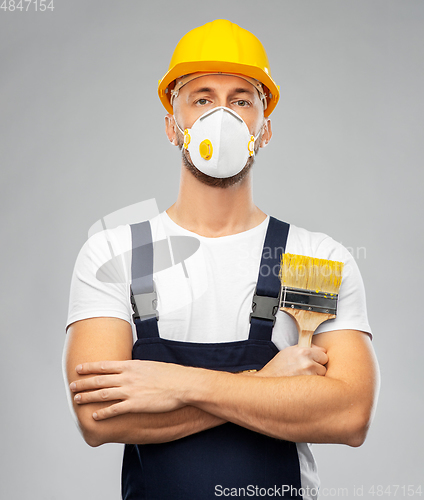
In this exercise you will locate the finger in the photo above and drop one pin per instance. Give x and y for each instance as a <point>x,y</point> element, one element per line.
<point>320,357</point>
<point>112,394</point>
<point>112,411</point>
<point>320,369</point>
<point>100,367</point>
<point>323,349</point>
<point>97,382</point>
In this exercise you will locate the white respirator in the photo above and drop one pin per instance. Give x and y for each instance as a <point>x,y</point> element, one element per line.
<point>219,142</point>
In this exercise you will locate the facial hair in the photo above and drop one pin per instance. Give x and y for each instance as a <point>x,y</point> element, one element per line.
<point>214,181</point>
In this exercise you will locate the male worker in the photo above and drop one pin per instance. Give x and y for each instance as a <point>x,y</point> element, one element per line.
<point>215,398</point>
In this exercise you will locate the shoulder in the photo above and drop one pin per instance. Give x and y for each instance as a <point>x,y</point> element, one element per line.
<point>321,246</point>
<point>315,244</point>
<point>109,251</point>
<point>118,237</point>
<point>103,253</point>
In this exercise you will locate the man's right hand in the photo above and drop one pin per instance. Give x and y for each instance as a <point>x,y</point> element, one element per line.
<point>296,360</point>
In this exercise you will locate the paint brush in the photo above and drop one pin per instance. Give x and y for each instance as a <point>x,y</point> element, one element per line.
<point>309,292</point>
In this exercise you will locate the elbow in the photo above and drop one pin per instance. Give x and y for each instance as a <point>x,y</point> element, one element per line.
<point>90,430</point>
<point>360,416</point>
<point>358,429</point>
<point>92,438</point>
<point>357,438</point>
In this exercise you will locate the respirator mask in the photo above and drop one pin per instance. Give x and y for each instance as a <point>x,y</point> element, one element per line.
<point>219,142</point>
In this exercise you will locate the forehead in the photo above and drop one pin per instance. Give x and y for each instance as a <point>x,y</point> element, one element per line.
<point>218,83</point>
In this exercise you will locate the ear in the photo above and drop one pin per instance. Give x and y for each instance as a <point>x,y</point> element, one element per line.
<point>267,133</point>
<point>170,129</point>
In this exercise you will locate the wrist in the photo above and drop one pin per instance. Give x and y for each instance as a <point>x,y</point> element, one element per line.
<point>200,385</point>
<point>187,386</point>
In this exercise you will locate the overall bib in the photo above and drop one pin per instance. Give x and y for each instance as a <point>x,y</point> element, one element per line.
<point>200,466</point>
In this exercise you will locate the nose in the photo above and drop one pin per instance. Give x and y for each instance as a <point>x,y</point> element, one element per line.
<point>221,101</point>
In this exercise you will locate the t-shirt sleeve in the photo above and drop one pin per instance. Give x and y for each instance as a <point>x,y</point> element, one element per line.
<point>100,283</point>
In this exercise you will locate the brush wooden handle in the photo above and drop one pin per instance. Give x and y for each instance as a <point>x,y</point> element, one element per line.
<point>307,322</point>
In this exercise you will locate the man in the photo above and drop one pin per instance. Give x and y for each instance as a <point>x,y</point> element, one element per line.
<point>210,401</point>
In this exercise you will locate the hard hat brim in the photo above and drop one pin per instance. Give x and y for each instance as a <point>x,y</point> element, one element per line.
<point>186,68</point>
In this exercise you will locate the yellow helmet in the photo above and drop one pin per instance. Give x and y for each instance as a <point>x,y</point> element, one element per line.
<point>220,47</point>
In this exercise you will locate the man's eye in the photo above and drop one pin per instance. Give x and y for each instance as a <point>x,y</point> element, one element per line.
<point>241,103</point>
<point>202,102</point>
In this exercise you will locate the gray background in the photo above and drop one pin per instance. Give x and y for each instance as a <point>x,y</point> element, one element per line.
<point>82,136</point>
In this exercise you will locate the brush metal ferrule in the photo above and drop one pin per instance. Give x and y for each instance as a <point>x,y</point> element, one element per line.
<point>308,300</point>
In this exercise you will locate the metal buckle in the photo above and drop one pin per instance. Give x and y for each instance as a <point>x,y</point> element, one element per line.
<point>144,305</point>
<point>264,307</point>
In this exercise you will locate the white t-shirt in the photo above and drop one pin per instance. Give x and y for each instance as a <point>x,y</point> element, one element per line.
<point>209,297</point>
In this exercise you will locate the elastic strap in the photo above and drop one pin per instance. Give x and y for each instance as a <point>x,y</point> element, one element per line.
<point>265,299</point>
<point>143,294</point>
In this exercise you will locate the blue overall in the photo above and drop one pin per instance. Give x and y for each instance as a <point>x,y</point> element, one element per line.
<point>226,456</point>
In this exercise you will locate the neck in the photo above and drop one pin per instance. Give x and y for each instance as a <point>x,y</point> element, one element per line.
<point>213,212</point>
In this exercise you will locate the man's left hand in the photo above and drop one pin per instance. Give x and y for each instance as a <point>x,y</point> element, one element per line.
<point>133,386</point>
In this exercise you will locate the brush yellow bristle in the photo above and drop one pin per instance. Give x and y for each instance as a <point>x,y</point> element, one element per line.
<point>307,273</point>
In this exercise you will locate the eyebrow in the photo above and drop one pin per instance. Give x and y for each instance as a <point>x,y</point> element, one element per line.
<point>238,90</point>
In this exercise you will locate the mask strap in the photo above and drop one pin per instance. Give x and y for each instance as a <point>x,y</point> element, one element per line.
<point>251,144</point>
<point>178,127</point>
<point>259,133</point>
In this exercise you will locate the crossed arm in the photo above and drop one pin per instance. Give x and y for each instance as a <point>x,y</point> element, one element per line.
<point>323,394</point>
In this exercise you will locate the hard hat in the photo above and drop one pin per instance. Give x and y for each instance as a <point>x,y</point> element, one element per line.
<point>220,47</point>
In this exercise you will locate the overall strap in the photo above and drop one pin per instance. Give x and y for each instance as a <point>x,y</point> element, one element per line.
<point>143,294</point>
<point>266,297</point>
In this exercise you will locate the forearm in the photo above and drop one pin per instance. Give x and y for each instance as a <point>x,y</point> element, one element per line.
<point>333,405</point>
<point>300,409</point>
<point>335,408</point>
<point>111,339</point>
<point>144,428</point>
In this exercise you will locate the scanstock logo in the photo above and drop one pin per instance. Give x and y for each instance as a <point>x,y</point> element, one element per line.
<point>168,252</point>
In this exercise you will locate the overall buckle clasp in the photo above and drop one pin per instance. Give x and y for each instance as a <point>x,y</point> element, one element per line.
<point>144,305</point>
<point>264,307</point>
